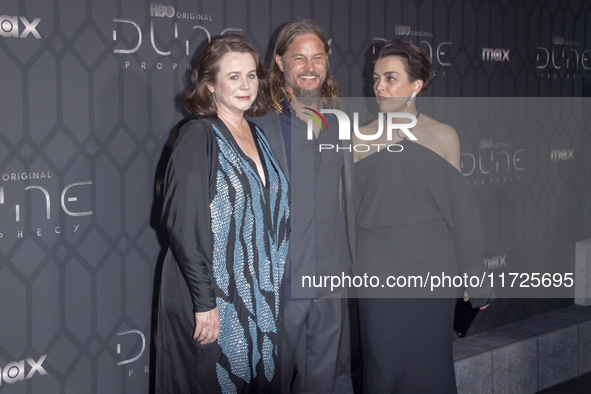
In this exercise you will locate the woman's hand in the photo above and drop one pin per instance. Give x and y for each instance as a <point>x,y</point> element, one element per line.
<point>466,299</point>
<point>207,326</point>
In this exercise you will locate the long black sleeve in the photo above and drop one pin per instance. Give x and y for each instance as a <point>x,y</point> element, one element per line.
<point>189,185</point>
<point>468,241</point>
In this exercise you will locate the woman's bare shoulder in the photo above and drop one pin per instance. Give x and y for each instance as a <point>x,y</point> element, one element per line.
<point>442,138</point>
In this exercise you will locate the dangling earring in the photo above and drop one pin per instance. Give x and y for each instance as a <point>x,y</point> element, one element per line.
<point>412,97</point>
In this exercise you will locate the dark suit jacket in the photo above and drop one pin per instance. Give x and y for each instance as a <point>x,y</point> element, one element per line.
<point>270,124</point>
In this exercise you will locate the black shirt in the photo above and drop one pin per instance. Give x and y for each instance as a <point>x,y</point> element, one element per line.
<point>318,238</point>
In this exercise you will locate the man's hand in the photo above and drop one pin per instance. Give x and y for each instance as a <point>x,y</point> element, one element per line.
<point>207,326</point>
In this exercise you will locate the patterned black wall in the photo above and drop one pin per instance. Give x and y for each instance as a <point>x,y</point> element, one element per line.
<point>88,94</point>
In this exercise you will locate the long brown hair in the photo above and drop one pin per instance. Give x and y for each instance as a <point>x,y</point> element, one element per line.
<point>286,36</point>
<point>199,100</point>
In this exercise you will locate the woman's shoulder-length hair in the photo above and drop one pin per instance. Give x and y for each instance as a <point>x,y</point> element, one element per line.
<point>197,99</point>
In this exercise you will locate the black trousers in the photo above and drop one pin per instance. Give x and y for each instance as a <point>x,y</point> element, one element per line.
<point>311,336</point>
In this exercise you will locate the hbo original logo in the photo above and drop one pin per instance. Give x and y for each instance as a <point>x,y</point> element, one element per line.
<point>160,11</point>
<point>558,40</point>
<point>402,30</point>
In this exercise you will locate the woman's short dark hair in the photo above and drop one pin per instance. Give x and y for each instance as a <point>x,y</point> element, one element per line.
<point>199,100</point>
<point>416,62</point>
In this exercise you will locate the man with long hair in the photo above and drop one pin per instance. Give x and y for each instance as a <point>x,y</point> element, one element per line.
<point>300,85</point>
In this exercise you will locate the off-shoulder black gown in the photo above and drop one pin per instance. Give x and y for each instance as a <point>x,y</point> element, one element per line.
<point>228,235</point>
<point>414,215</point>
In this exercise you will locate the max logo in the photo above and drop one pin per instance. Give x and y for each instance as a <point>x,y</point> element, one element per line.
<point>15,371</point>
<point>9,27</point>
<point>345,124</point>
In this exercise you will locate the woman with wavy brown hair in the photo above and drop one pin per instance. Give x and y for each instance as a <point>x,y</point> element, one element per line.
<point>226,211</point>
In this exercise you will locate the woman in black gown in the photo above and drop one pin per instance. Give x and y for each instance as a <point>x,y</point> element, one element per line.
<point>414,215</point>
<point>226,211</point>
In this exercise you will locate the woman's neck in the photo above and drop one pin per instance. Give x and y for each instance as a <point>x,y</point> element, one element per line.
<point>236,120</point>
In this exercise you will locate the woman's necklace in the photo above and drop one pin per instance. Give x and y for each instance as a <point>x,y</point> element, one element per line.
<point>399,136</point>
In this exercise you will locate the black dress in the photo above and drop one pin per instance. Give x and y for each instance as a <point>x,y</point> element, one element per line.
<point>228,246</point>
<point>414,215</point>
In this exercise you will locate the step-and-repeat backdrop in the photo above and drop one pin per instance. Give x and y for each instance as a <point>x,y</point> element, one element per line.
<point>88,101</point>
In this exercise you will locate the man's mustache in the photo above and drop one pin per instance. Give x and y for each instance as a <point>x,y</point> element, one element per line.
<point>309,74</point>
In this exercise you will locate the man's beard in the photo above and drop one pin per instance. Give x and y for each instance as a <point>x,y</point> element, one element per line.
<point>304,96</point>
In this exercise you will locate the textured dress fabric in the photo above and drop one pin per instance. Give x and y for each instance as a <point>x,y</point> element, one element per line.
<point>228,243</point>
<point>414,216</point>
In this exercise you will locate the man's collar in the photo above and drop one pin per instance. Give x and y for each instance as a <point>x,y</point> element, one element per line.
<point>286,107</point>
